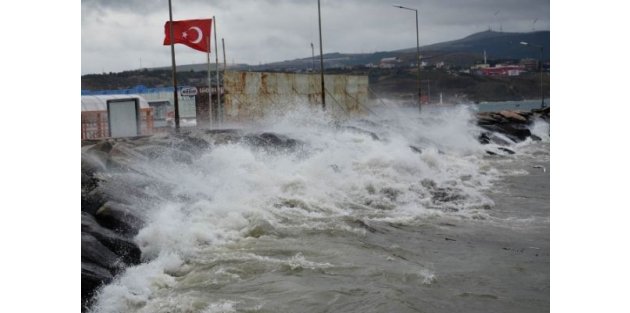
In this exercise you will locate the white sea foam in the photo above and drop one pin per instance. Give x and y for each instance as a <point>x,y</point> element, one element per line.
<point>368,168</point>
<point>541,129</point>
<point>220,307</point>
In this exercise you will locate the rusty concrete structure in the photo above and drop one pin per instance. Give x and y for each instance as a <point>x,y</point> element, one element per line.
<point>251,95</point>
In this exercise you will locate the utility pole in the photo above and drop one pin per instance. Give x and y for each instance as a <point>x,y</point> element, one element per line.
<point>321,55</point>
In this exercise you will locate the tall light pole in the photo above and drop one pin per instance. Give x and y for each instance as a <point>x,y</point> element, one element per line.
<point>542,94</point>
<point>321,55</point>
<point>417,52</point>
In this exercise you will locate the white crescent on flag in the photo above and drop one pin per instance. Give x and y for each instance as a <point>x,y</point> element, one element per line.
<point>199,34</point>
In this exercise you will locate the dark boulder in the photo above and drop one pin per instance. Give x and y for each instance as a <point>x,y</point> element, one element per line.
<point>92,277</point>
<point>416,149</point>
<point>514,117</point>
<point>119,217</point>
<point>489,137</point>
<point>270,140</point>
<point>484,138</point>
<point>121,246</point>
<point>506,150</point>
<point>543,113</point>
<point>516,133</point>
<point>92,200</point>
<point>221,131</point>
<point>512,124</point>
<point>362,131</point>
<point>93,251</point>
<point>490,118</point>
<point>197,143</point>
<point>223,136</point>
<point>92,162</point>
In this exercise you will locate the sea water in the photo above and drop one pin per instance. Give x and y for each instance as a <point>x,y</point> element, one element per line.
<point>523,105</point>
<point>399,211</point>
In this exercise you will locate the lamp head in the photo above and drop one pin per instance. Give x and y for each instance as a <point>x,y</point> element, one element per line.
<point>402,7</point>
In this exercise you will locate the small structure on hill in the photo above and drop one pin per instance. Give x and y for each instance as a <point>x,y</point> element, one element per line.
<point>389,62</point>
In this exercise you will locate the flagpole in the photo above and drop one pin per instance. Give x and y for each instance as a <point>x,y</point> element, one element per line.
<point>224,59</point>
<point>216,53</point>
<point>210,111</point>
<point>170,17</point>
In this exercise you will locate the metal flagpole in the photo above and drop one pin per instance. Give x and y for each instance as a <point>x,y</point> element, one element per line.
<point>170,17</point>
<point>210,111</point>
<point>216,50</point>
<point>542,92</point>
<point>321,55</point>
<point>224,59</point>
<point>418,62</point>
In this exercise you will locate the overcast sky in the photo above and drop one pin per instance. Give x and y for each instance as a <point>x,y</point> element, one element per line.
<point>118,35</point>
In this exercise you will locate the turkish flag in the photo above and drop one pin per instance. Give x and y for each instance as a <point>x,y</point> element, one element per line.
<point>193,33</point>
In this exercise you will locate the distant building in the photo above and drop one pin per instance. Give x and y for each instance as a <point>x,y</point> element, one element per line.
<point>529,64</point>
<point>479,66</point>
<point>502,70</point>
<point>389,62</point>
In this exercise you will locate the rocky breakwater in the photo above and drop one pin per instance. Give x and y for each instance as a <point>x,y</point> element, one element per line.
<point>107,226</point>
<point>108,222</point>
<point>507,127</point>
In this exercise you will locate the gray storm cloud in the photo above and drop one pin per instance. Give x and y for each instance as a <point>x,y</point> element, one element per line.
<point>120,35</point>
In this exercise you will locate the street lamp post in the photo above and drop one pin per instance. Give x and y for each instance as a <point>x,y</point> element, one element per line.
<point>542,94</point>
<point>321,55</point>
<point>417,52</point>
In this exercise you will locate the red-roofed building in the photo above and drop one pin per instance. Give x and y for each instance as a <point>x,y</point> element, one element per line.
<point>503,70</point>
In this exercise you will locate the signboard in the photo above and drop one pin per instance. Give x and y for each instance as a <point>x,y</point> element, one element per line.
<point>188,92</point>
<point>161,108</point>
<point>123,116</point>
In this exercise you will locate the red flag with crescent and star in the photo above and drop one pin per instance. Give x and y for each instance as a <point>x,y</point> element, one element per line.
<point>193,33</point>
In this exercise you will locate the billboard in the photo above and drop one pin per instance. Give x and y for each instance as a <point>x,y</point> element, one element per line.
<point>124,117</point>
